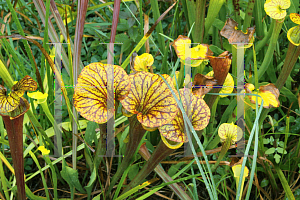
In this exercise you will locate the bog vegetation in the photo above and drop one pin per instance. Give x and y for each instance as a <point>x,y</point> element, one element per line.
<point>150,99</point>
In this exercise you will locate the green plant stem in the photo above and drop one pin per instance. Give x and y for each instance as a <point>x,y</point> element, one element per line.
<point>213,114</point>
<point>248,15</point>
<point>54,177</point>
<point>272,45</point>
<point>290,60</point>
<point>160,153</point>
<point>136,133</point>
<point>261,43</point>
<point>285,185</point>
<point>234,62</point>
<point>145,38</point>
<point>191,16</point>
<point>163,175</point>
<point>199,21</point>
<point>101,147</point>
<point>258,16</point>
<point>223,152</point>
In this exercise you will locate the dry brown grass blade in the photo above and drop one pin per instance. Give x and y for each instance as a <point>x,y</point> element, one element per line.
<point>161,195</point>
<point>23,15</point>
<point>31,37</point>
<point>5,20</point>
<point>256,183</point>
<point>146,28</point>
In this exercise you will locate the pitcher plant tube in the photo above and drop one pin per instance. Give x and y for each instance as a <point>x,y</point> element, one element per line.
<point>173,133</point>
<point>143,151</point>
<point>12,109</point>
<point>152,105</point>
<point>276,9</point>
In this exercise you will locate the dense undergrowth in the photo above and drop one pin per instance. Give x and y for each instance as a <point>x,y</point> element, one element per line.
<point>56,74</point>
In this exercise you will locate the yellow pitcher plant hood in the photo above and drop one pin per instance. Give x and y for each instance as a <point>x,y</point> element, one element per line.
<point>276,9</point>
<point>90,97</point>
<point>293,34</point>
<point>198,112</point>
<point>14,104</point>
<point>230,130</point>
<point>151,99</point>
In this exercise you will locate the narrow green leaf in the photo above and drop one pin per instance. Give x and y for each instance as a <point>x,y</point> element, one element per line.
<point>284,183</point>
<point>89,187</point>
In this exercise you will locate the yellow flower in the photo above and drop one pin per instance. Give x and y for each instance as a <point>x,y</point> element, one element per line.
<point>237,173</point>
<point>230,130</point>
<point>198,53</point>
<point>276,9</point>
<point>44,150</point>
<point>39,96</point>
<point>294,33</point>
<point>227,86</point>
<point>143,62</point>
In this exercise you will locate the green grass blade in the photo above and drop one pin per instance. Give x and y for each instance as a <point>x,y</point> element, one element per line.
<point>285,185</point>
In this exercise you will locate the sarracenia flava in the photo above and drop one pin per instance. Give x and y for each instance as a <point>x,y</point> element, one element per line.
<point>12,109</point>
<point>173,134</point>
<point>148,100</point>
